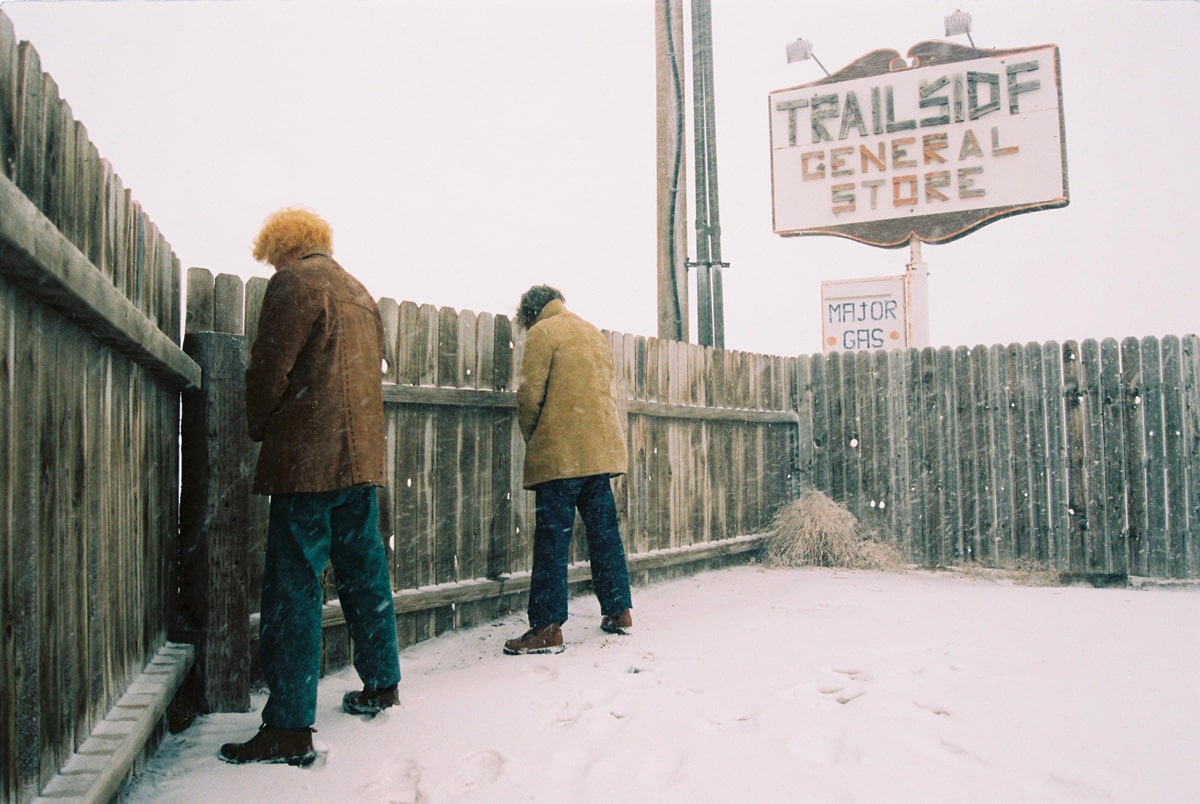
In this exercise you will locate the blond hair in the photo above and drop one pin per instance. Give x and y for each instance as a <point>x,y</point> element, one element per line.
<point>290,230</point>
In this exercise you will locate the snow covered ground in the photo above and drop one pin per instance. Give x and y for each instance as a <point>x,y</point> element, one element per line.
<point>766,685</point>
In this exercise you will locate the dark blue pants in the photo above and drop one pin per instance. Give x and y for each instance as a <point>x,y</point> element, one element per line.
<point>555,506</point>
<point>305,532</point>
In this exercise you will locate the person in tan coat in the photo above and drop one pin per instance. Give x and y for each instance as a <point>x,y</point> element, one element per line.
<point>314,398</point>
<point>574,443</point>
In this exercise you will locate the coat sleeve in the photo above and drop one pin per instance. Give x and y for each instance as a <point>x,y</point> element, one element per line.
<point>535,374</point>
<point>284,326</point>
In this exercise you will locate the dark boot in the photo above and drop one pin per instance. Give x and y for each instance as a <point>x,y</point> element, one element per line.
<point>618,623</point>
<point>537,640</point>
<point>370,702</point>
<point>272,745</point>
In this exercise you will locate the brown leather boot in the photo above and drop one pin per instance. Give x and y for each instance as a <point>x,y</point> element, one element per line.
<point>370,702</point>
<point>618,623</point>
<point>537,640</point>
<point>272,745</point>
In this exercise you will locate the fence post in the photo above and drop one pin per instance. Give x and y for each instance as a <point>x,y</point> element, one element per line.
<point>215,516</point>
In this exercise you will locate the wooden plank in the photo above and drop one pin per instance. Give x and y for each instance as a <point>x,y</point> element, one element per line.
<point>9,72</point>
<point>931,468</point>
<point>446,478</point>
<point>73,470</point>
<point>1134,437</point>
<point>1034,381</point>
<point>1073,397</point>
<point>389,313</point>
<point>720,444</point>
<point>1157,545</point>
<point>200,301</point>
<point>982,490</point>
<point>24,683</point>
<point>9,487</point>
<point>471,499</point>
<point>54,191</point>
<point>835,428</point>
<point>404,423</point>
<point>484,507</point>
<point>851,434</point>
<point>1056,455</point>
<point>691,442</point>
<point>637,482</point>
<point>1191,395</point>
<point>255,292</point>
<point>949,483</point>
<point>50,548</point>
<point>95,193</point>
<point>915,462</point>
<point>1000,406</point>
<point>228,305</point>
<point>504,459</point>
<point>654,462</point>
<point>1017,412</point>
<point>28,166</point>
<point>88,190</point>
<point>1112,463</point>
<point>1097,558</point>
<point>884,432</point>
<point>900,508</point>
<point>1176,460</point>
<point>802,406</point>
<point>868,511</point>
<point>965,415</point>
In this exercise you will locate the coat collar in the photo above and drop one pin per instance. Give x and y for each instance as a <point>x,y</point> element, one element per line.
<point>553,307</point>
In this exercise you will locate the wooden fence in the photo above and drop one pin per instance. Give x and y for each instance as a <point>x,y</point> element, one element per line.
<point>709,434</point>
<point>90,372</point>
<point>1081,457</point>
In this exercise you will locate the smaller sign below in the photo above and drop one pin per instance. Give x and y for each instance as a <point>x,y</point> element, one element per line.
<point>860,315</point>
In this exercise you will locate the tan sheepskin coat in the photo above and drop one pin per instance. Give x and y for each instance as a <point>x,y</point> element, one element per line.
<point>314,393</point>
<point>566,400</point>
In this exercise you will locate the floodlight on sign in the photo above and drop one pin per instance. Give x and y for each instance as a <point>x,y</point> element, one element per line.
<point>959,23</point>
<point>802,50</point>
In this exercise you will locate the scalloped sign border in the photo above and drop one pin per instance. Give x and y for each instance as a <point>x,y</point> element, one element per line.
<point>930,147</point>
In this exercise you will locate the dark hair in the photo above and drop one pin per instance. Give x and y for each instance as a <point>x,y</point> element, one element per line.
<point>536,298</point>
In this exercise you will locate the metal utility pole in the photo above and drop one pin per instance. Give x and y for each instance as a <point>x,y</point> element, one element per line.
<point>710,315</point>
<point>672,172</point>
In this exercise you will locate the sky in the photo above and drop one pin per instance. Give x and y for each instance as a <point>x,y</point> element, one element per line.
<point>466,149</point>
<point>764,685</point>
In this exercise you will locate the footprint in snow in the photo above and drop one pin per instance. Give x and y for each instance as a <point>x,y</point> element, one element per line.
<point>398,783</point>
<point>542,672</point>
<point>475,771</point>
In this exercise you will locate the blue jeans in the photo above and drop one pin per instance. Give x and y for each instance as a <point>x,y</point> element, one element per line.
<point>556,502</point>
<point>305,532</point>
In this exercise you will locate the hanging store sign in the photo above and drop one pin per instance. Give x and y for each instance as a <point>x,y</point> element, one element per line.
<point>931,147</point>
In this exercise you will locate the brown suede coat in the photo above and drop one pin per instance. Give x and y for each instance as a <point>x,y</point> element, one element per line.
<point>566,400</point>
<point>314,392</point>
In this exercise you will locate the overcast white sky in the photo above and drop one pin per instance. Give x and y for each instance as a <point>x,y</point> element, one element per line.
<point>465,149</point>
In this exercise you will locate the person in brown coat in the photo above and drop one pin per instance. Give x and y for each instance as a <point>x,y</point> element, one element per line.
<point>314,398</point>
<point>574,443</point>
